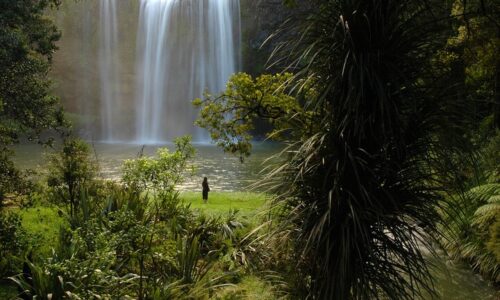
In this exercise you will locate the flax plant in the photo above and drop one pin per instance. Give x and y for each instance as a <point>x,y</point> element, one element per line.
<point>359,190</point>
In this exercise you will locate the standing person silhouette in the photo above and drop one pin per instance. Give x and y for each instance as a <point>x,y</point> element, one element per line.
<point>206,189</point>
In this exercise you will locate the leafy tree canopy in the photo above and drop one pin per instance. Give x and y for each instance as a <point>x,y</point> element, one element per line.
<point>230,116</point>
<point>70,171</point>
<point>469,60</point>
<point>161,174</point>
<point>27,42</point>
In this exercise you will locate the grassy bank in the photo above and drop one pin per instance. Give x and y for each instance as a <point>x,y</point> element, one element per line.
<point>44,222</point>
<point>248,204</point>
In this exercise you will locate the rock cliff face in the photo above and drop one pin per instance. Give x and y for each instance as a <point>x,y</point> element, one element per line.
<point>259,19</point>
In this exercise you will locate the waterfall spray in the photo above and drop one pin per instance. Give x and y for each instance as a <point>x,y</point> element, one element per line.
<point>109,69</point>
<point>184,47</point>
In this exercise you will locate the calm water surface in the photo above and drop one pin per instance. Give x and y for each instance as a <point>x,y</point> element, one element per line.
<point>225,172</point>
<point>453,281</point>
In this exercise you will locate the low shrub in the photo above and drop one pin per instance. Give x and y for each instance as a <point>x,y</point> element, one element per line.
<point>14,241</point>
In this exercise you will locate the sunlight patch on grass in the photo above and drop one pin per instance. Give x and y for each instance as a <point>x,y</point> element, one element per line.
<point>250,288</point>
<point>222,202</point>
<point>43,222</point>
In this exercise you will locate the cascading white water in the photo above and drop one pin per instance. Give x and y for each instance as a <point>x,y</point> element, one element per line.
<point>184,48</point>
<point>109,69</point>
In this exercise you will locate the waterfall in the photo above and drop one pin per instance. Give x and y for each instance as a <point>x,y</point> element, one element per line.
<point>109,70</point>
<point>86,59</point>
<point>184,47</point>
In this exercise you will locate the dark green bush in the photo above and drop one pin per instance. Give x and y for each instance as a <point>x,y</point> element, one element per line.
<point>14,241</point>
<point>135,239</point>
<point>71,173</point>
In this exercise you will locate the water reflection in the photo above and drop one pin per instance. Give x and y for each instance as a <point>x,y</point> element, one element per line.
<point>225,172</point>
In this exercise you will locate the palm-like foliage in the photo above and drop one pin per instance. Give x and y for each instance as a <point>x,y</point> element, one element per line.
<point>360,188</point>
<point>194,274</point>
<point>40,284</point>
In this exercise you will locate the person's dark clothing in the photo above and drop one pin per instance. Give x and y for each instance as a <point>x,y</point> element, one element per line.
<point>205,191</point>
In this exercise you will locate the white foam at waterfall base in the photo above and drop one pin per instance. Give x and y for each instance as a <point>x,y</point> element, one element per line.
<point>184,47</point>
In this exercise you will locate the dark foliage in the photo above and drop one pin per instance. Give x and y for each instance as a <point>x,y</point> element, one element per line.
<point>361,188</point>
<point>27,42</point>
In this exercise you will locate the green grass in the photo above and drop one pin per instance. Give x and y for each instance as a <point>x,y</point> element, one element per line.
<point>250,288</point>
<point>248,204</point>
<point>255,288</point>
<point>43,222</point>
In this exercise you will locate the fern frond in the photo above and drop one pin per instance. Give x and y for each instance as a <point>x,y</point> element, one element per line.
<point>483,193</point>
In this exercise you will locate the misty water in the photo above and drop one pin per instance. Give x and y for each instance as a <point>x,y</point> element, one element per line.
<point>183,49</point>
<point>128,70</point>
<point>225,172</point>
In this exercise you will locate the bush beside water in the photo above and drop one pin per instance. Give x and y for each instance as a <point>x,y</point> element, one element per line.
<point>139,239</point>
